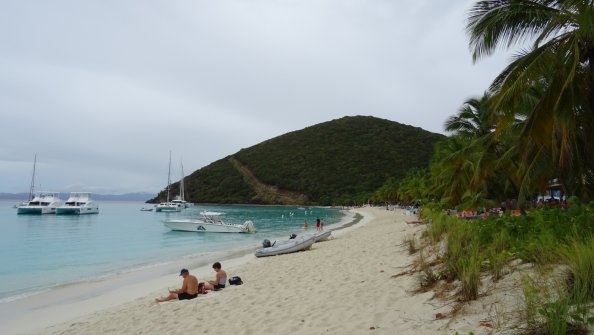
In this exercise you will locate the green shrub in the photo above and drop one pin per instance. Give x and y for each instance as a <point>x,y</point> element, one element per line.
<point>579,257</point>
<point>459,242</point>
<point>532,302</point>
<point>470,274</point>
<point>556,316</point>
<point>411,242</point>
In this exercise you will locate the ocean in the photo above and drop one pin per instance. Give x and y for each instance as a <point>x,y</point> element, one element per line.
<point>42,252</point>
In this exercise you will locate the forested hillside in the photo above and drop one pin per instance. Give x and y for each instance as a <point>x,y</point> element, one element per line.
<point>341,161</point>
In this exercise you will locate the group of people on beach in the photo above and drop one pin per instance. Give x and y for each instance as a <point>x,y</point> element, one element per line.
<point>191,288</point>
<point>319,224</point>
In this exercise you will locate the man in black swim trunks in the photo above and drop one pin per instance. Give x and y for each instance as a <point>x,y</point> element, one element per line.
<point>189,289</point>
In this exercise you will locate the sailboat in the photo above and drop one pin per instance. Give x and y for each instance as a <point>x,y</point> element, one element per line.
<point>168,206</point>
<point>39,202</point>
<point>181,198</point>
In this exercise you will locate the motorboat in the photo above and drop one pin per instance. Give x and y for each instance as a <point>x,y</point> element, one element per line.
<point>209,223</point>
<point>78,203</point>
<point>144,209</point>
<point>42,203</point>
<point>169,206</point>
<point>295,244</point>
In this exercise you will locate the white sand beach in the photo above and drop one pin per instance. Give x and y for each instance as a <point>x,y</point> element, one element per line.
<point>343,286</point>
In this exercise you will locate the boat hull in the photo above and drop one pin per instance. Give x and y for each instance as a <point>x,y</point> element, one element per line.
<point>168,207</point>
<point>285,247</point>
<point>323,235</point>
<point>36,210</point>
<point>77,210</point>
<point>192,225</point>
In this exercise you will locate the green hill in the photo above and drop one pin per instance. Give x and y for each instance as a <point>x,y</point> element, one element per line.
<point>341,161</point>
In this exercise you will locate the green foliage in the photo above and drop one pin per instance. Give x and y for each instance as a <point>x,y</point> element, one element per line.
<point>550,309</point>
<point>544,236</point>
<point>218,182</point>
<point>544,95</point>
<point>343,162</point>
<point>470,273</point>
<point>579,256</point>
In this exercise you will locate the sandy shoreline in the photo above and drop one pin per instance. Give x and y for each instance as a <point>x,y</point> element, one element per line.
<point>342,286</point>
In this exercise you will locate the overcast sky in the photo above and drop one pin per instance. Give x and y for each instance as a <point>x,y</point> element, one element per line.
<point>102,90</point>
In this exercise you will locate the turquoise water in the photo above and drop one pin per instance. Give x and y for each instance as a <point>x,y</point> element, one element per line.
<point>44,251</point>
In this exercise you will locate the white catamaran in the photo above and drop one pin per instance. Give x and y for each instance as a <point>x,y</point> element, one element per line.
<point>169,206</point>
<point>78,203</point>
<point>181,198</point>
<point>40,202</point>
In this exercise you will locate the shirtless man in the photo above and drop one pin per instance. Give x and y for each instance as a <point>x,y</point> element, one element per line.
<point>189,289</point>
<point>220,279</point>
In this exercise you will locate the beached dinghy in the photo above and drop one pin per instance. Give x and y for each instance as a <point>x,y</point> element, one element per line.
<point>318,235</point>
<point>284,247</point>
<point>323,235</point>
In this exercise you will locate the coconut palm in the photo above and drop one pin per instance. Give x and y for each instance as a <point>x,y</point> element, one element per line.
<point>560,123</point>
<point>474,119</point>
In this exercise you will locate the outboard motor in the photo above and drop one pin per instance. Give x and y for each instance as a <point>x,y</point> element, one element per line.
<point>266,243</point>
<point>292,236</point>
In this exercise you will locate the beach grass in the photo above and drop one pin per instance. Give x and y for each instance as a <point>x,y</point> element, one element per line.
<point>549,238</point>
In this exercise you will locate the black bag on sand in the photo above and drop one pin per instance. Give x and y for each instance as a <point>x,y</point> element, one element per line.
<point>235,281</point>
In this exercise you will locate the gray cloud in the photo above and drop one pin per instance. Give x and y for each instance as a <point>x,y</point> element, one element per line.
<point>102,90</point>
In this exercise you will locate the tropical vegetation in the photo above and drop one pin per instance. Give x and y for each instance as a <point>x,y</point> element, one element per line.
<point>339,162</point>
<point>532,126</point>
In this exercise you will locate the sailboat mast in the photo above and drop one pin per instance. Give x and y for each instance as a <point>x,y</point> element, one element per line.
<point>169,177</point>
<point>32,188</point>
<point>182,191</point>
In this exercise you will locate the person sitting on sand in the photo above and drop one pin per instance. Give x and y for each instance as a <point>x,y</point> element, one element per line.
<point>189,289</point>
<point>220,278</point>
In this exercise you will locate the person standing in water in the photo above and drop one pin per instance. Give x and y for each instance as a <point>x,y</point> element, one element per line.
<point>318,223</point>
<point>305,225</point>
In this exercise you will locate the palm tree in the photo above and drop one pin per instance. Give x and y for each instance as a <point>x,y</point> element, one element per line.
<point>474,119</point>
<point>560,123</point>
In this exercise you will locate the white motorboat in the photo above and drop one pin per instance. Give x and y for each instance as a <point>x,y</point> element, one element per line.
<point>298,243</point>
<point>169,206</point>
<point>77,204</point>
<point>42,203</point>
<point>209,223</point>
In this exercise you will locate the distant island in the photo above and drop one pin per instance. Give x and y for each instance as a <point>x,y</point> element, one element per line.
<point>137,196</point>
<point>339,162</point>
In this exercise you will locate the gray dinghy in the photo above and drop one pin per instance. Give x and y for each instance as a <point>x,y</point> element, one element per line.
<point>284,247</point>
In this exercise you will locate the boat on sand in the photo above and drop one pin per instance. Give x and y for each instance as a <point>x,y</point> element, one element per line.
<point>298,243</point>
